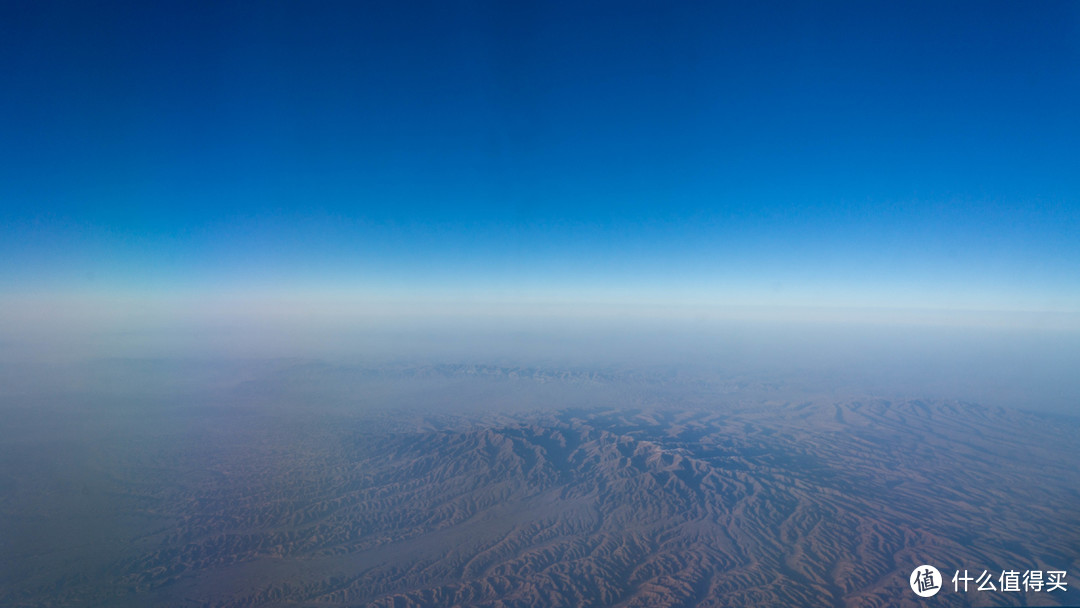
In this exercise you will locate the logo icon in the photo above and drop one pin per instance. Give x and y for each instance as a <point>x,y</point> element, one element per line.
<point>925,581</point>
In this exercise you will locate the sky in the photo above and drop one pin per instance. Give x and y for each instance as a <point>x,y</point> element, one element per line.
<point>539,158</point>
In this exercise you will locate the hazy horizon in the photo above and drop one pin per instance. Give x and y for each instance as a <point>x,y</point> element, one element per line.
<point>525,304</point>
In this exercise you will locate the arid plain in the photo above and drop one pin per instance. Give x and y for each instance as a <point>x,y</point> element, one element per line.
<point>645,490</point>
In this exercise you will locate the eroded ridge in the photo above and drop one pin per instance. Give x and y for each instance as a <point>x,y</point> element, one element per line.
<point>770,504</point>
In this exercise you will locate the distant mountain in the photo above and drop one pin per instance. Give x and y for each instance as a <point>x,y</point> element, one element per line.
<point>754,505</point>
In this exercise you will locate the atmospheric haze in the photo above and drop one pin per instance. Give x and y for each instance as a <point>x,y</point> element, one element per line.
<point>527,304</point>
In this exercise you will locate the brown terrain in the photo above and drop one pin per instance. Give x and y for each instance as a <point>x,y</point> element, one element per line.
<point>729,503</point>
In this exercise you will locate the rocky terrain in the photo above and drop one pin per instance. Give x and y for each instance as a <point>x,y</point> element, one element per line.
<point>730,504</point>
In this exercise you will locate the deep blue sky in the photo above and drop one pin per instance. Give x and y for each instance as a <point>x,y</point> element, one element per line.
<point>917,154</point>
